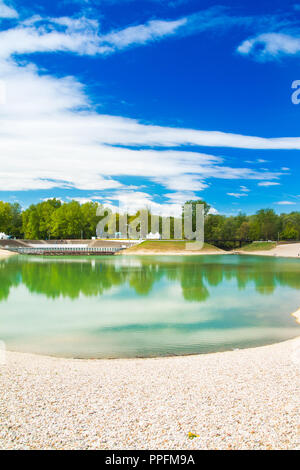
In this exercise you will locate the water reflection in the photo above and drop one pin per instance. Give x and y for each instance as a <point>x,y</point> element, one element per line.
<point>145,306</point>
<point>70,278</point>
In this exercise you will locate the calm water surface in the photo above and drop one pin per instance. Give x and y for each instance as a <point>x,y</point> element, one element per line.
<point>95,307</point>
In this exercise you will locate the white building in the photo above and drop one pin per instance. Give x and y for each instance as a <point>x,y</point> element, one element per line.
<point>3,236</point>
<point>153,236</point>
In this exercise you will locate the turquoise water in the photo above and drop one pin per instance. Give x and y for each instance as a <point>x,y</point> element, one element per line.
<point>95,307</point>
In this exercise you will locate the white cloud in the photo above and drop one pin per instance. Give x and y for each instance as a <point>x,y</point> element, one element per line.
<point>244,189</point>
<point>181,197</point>
<point>268,183</point>
<point>7,11</point>
<point>285,203</point>
<point>84,35</point>
<point>237,195</point>
<point>141,34</point>
<point>182,182</point>
<point>50,136</point>
<point>81,200</point>
<point>269,46</point>
<point>39,35</point>
<point>45,141</point>
<point>213,211</point>
<point>132,201</point>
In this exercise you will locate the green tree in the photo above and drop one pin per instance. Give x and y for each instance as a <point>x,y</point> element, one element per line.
<point>67,221</point>
<point>289,233</point>
<point>31,223</point>
<point>37,219</point>
<point>244,231</point>
<point>16,229</point>
<point>90,219</point>
<point>268,222</point>
<point>6,217</point>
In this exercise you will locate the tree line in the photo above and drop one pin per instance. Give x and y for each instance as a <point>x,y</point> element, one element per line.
<point>57,220</point>
<point>49,219</point>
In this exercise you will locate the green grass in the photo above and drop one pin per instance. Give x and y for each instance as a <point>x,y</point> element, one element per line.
<point>259,246</point>
<point>165,246</point>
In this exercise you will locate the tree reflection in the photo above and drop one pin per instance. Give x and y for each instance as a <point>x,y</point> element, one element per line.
<point>93,276</point>
<point>9,277</point>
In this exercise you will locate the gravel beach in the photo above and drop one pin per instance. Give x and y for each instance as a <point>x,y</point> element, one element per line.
<point>245,399</point>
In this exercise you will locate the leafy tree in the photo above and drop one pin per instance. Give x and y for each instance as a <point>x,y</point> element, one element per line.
<point>53,219</point>
<point>16,229</point>
<point>268,223</point>
<point>89,219</point>
<point>67,221</point>
<point>6,217</point>
<point>289,233</point>
<point>31,223</point>
<point>37,219</point>
<point>244,231</point>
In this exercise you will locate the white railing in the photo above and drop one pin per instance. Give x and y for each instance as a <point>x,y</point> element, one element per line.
<point>65,249</point>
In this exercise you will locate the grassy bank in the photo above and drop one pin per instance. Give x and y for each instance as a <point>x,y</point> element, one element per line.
<point>168,246</point>
<point>260,246</point>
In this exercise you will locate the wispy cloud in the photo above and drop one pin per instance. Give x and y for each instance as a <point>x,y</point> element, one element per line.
<point>7,11</point>
<point>237,195</point>
<point>141,34</point>
<point>285,203</point>
<point>268,183</point>
<point>182,182</point>
<point>84,36</point>
<point>270,46</point>
<point>50,135</point>
<point>51,35</point>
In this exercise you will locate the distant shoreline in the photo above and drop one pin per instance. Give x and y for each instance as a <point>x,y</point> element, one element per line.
<point>283,251</point>
<point>291,250</point>
<point>171,253</point>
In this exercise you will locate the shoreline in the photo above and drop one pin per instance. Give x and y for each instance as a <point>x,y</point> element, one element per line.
<point>171,253</point>
<point>281,251</point>
<point>243,399</point>
<point>296,315</point>
<point>6,254</point>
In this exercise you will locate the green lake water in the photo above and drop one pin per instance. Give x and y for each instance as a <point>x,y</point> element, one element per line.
<point>97,307</point>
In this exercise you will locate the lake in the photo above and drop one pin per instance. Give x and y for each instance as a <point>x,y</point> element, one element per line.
<point>144,306</point>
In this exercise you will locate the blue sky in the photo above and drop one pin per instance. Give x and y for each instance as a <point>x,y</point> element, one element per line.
<point>150,102</point>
